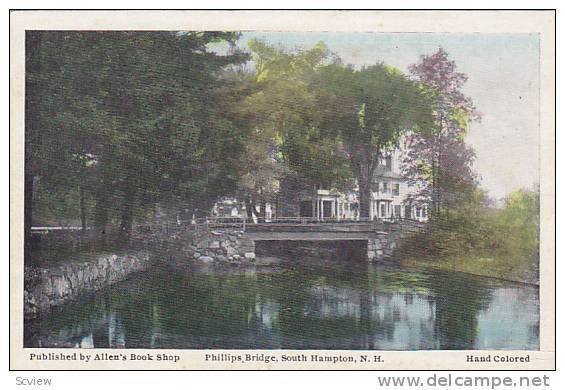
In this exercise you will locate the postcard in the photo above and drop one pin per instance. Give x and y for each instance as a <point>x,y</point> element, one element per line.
<point>282,190</point>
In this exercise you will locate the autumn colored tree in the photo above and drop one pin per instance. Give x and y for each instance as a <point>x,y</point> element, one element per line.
<point>438,162</point>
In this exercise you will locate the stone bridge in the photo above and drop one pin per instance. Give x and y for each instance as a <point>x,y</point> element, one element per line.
<point>227,242</point>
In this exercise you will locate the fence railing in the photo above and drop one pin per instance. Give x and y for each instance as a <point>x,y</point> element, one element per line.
<point>209,223</point>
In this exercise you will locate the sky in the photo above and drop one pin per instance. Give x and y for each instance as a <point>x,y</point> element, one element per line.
<point>503,83</point>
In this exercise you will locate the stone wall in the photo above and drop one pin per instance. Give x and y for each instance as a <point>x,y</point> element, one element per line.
<point>222,245</point>
<point>57,284</point>
<point>231,246</point>
<point>46,287</point>
<point>383,247</point>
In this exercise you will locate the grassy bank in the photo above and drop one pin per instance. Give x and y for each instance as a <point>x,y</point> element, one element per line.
<point>501,243</point>
<point>491,267</point>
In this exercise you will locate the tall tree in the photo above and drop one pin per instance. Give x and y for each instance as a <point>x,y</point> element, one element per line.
<point>284,114</point>
<point>137,106</point>
<point>372,108</point>
<point>438,161</point>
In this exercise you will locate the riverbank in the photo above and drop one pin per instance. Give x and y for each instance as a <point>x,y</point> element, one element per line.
<point>480,266</point>
<point>57,275</point>
<point>59,283</point>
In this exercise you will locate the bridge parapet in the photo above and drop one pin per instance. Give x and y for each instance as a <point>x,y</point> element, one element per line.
<point>320,227</point>
<point>232,240</point>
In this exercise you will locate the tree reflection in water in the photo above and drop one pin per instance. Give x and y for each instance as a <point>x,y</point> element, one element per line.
<point>458,301</point>
<point>297,305</point>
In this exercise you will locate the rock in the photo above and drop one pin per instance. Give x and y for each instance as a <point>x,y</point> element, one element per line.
<point>206,259</point>
<point>214,245</point>
<point>196,255</point>
<point>249,255</point>
<point>230,251</point>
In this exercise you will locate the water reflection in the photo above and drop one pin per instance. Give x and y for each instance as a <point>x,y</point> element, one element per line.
<point>298,306</point>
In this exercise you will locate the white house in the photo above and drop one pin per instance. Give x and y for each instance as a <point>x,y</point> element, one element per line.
<point>389,197</point>
<point>390,192</point>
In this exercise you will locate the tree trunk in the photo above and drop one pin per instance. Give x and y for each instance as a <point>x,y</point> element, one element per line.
<point>249,209</point>
<point>28,202</point>
<point>437,171</point>
<point>364,199</point>
<point>262,212</point>
<point>127,211</point>
<point>82,205</point>
<point>434,187</point>
<point>438,174</point>
<point>32,68</point>
<point>101,210</point>
<point>366,169</point>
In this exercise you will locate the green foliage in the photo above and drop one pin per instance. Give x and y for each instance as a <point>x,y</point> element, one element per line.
<point>325,122</point>
<point>137,119</point>
<point>377,104</point>
<point>521,215</point>
<point>136,106</point>
<point>285,112</point>
<point>370,109</point>
<point>480,239</point>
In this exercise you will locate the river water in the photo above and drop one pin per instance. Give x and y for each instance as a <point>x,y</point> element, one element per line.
<point>298,305</point>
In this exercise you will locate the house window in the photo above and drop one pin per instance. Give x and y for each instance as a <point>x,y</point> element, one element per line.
<point>385,188</point>
<point>396,189</point>
<point>397,210</point>
<point>383,209</point>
